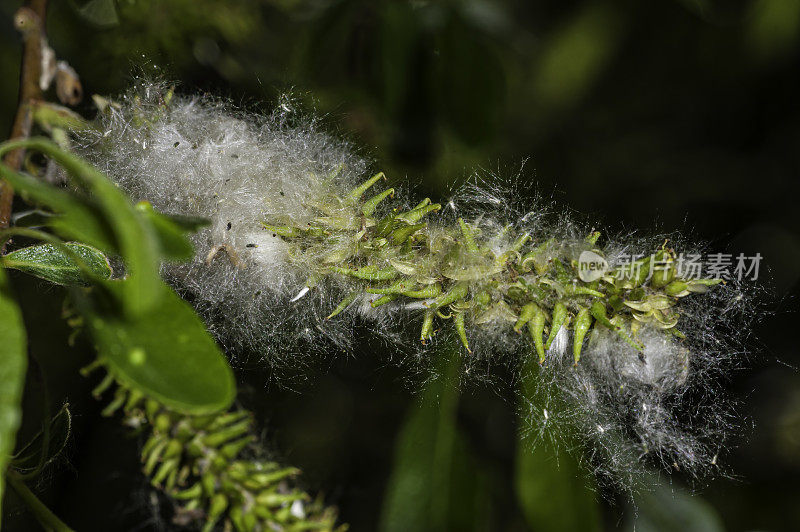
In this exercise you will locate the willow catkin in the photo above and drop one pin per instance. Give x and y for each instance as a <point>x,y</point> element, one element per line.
<point>303,244</point>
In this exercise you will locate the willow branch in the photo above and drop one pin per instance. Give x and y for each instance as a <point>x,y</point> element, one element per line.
<point>29,21</point>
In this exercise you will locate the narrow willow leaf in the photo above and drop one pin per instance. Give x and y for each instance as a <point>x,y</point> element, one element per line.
<point>551,489</point>
<point>171,232</point>
<point>434,472</point>
<point>135,237</point>
<point>165,353</point>
<point>75,217</point>
<point>13,362</point>
<point>55,264</point>
<point>670,509</point>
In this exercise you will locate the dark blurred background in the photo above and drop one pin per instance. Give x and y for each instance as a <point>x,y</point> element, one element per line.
<point>662,115</point>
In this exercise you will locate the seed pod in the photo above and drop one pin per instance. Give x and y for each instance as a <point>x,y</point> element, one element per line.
<point>173,449</point>
<point>559,317</point>
<point>676,288</point>
<point>119,399</point>
<point>107,381</point>
<point>583,322</point>
<point>402,234</point>
<point>357,192</point>
<point>216,439</point>
<point>196,490</point>
<point>370,272</point>
<point>468,235</point>
<point>283,230</point>
<point>388,298</point>
<point>520,241</point>
<point>231,450</point>
<point>598,311</point>
<point>536,328</point>
<point>218,505</point>
<point>348,299</point>
<point>427,327</point>
<point>525,315</point>
<point>458,292</point>
<point>397,287</point>
<point>151,459</point>
<point>432,290</point>
<point>664,270</point>
<point>417,213</point>
<point>461,330</point>
<point>371,204</point>
<point>165,469</point>
<point>573,291</point>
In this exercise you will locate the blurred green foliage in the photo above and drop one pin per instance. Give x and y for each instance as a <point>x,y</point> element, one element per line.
<point>681,113</point>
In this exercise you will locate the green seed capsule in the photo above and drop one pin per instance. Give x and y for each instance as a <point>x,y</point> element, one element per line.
<point>598,311</point>
<point>357,192</point>
<point>217,506</point>
<point>575,291</point>
<point>383,300</point>
<point>519,242</point>
<point>348,299</point>
<point>432,290</point>
<point>120,396</point>
<point>368,273</point>
<point>417,213</point>
<point>107,381</point>
<point>592,238</point>
<point>209,483</point>
<point>525,315</point>
<point>458,292</point>
<point>232,450</point>
<point>583,322</point>
<point>196,490</point>
<point>151,459</point>
<point>676,287</point>
<point>664,269</point>
<point>536,328</point>
<point>371,204</point>
<point>427,327</point>
<point>164,469</point>
<point>162,423</point>
<point>236,516</point>
<point>215,439</point>
<point>468,236</point>
<point>283,230</point>
<point>173,449</point>
<point>397,287</point>
<point>559,317</point>
<point>402,234</point>
<point>461,330</point>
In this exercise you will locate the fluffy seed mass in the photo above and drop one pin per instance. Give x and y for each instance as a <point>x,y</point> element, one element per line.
<point>304,245</point>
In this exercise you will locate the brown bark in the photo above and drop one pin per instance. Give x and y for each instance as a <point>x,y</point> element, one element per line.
<point>29,20</point>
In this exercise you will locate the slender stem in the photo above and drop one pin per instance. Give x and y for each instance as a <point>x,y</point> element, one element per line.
<point>46,518</point>
<point>30,20</point>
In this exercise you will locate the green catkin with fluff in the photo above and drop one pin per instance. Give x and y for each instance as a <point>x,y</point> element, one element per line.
<point>206,464</point>
<point>305,243</point>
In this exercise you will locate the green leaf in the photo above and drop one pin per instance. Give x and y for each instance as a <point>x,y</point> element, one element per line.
<point>668,509</point>
<point>434,474</point>
<point>166,352</point>
<point>76,218</point>
<point>99,12</point>
<point>133,235</point>
<point>56,264</point>
<point>171,231</point>
<point>551,489</point>
<point>30,456</point>
<point>13,363</point>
